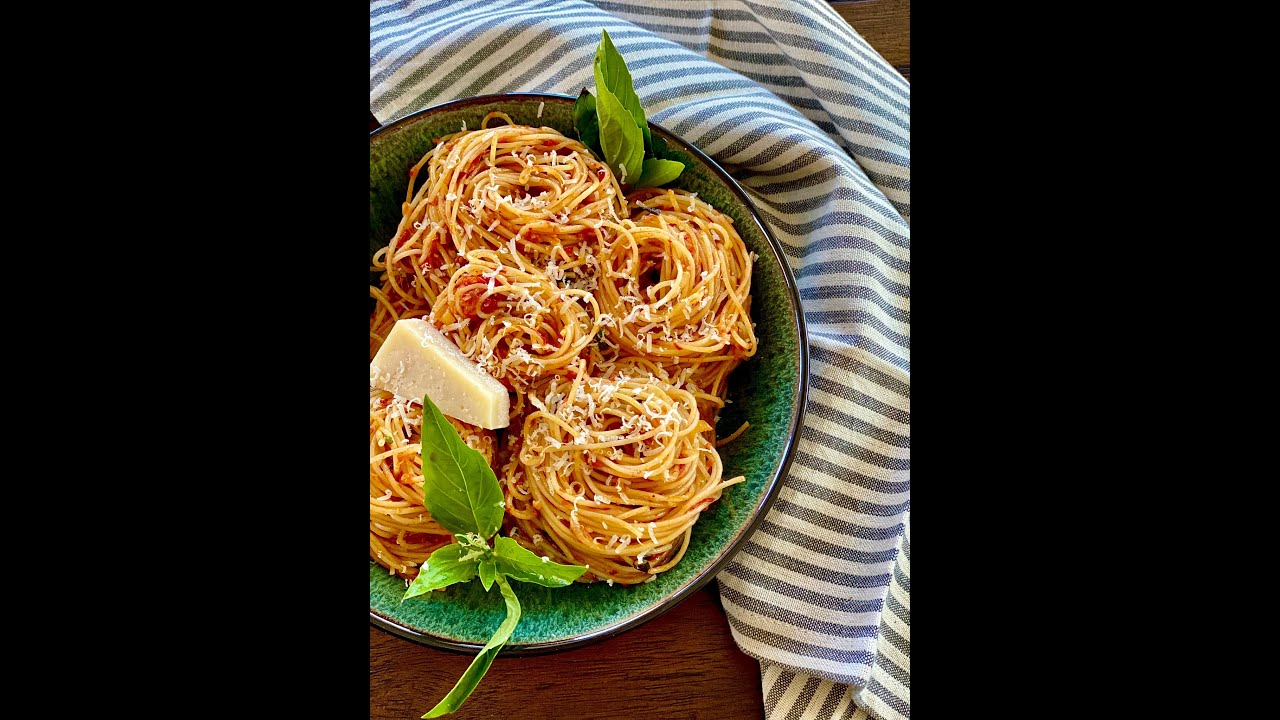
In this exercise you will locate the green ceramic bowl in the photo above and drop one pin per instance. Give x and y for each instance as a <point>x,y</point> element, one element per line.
<point>768,390</point>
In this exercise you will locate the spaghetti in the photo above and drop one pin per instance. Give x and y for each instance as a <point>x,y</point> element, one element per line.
<point>683,275</point>
<point>614,321</point>
<point>401,532</point>
<point>513,320</point>
<point>612,473</point>
<point>489,188</point>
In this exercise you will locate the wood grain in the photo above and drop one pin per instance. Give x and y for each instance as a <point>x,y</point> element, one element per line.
<point>885,25</point>
<point>682,665</point>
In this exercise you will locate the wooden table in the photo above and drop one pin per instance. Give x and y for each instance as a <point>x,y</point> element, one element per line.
<point>682,665</point>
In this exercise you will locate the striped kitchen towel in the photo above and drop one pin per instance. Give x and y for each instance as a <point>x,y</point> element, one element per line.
<point>816,127</point>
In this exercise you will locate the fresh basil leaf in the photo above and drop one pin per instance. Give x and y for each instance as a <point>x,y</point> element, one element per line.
<point>461,492</point>
<point>446,566</point>
<point>471,678</point>
<point>611,72</point>
<point>658,172</point>
<point>584,120</point>
<point>620,139</point>
<point>518,563</point>
<point>488,572</point>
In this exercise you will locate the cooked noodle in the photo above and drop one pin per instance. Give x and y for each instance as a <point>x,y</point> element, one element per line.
<point>683,276</point>
<point>611,472</point>
<point>513,319</point>
<point>614,321</point>
<point>490,188</point>
<point>401,532</point>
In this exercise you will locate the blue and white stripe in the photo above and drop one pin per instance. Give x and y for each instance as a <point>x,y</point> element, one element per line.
<point>796,695</point>
<point>816,126</point>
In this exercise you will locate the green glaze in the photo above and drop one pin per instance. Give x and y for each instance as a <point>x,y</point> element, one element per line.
<point>765,391</point>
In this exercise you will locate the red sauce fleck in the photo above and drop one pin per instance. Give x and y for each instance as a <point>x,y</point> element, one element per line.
<point>600,173</point>
<point>434,259</point>
<point>469,289</point>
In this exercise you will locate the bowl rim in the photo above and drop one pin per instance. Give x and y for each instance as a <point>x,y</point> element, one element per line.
<point>772,487</point>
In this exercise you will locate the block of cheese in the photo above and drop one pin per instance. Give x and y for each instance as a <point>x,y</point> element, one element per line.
<point>416,359</point>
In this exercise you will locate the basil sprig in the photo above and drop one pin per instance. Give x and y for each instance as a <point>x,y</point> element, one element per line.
<point>463,495</point>
<point>478,667</point>
<point>614,126</point>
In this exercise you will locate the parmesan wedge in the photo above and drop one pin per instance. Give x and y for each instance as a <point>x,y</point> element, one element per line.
<point>416,360</point>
